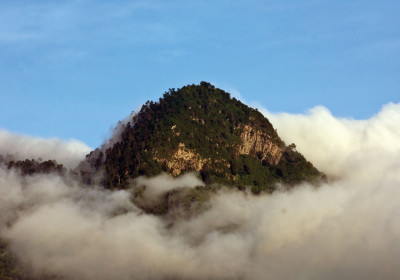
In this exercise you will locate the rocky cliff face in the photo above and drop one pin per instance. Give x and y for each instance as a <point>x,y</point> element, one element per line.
<point>257,143</point>
<point>182,160</point>
<point>253,142</point>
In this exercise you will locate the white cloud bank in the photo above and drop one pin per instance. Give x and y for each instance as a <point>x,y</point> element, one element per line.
<point>21,147</point>
<point>337,146</point>
<point>346,229</point>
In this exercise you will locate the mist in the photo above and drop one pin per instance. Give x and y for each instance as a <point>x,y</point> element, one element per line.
<point>338,145</point>
<point>347,228</point>
<point>21,147</point>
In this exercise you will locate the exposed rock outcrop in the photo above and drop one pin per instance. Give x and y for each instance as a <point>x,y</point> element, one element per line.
<point>255,142</point>
<point>182,160</point>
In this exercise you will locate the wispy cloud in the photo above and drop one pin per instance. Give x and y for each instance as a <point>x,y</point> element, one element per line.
<point>87,29</point>
<point>75,20</point>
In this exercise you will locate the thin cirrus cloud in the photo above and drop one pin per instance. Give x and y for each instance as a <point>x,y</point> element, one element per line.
<point>63,23</point>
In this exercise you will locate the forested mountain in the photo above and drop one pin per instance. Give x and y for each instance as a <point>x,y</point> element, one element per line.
<point>201,128</point>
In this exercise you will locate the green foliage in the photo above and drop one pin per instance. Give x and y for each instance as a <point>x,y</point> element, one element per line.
<point>294,168</point>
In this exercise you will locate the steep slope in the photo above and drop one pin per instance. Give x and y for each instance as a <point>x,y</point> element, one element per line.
<point>201,128</point>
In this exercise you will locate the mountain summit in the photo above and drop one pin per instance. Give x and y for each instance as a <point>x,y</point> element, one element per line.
<point>201,128</point>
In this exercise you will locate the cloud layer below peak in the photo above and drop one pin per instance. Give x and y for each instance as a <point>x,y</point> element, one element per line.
<point>345,229</point>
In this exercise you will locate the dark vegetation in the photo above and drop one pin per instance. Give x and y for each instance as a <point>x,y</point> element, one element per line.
<point>209,122</point>
<point>30,167</point>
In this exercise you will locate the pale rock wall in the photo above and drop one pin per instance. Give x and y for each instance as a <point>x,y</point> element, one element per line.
<point>254,141</point>
<point>183,158</point>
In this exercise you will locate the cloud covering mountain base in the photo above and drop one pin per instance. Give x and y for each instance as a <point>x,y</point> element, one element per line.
<point>347,228</point>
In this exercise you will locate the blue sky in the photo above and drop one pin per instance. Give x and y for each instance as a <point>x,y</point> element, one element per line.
<point>72,69</point>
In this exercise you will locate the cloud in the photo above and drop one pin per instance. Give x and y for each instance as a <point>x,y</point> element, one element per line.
<point>21,147</point>
<point>159,185</point>
<point>344,229</point>
<point>117,130</point>
<point>338,145</point>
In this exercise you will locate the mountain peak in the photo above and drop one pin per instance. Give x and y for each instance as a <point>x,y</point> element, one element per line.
<point>201,128</point>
